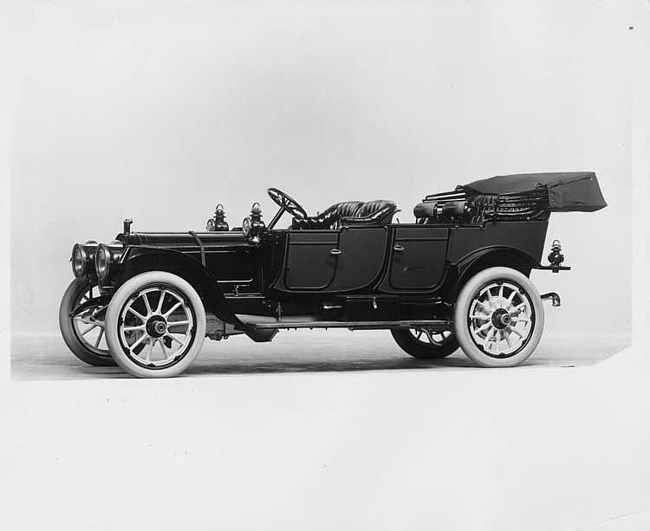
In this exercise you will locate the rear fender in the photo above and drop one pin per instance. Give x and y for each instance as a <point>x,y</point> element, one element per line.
<point>141,260</point>
<point>476,262</point>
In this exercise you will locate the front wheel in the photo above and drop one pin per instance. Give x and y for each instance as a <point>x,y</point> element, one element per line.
<point>155,325</point>
<point>81,319</point>
<point>499,318</point>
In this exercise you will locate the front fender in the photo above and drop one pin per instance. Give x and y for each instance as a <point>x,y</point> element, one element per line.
<point>142,259</point>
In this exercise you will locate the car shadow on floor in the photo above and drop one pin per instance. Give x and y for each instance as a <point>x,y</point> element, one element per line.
<point>339,365</point>
<point>43,360</point>
<point>216,367</point>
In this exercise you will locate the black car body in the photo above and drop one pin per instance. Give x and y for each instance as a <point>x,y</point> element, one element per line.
<point>349,267</point>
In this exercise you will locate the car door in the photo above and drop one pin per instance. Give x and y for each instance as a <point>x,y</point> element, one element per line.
<point>310,259</point>
<point>417,260</point>
<point>361,257</point>
<point>333,261</point>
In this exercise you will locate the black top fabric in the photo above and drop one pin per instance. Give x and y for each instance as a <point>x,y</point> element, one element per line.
<point>567,191</point>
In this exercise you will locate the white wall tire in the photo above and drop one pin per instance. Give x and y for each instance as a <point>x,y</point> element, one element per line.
<point>499,318</point>
<point>84,333</point>
<point>155,325</point>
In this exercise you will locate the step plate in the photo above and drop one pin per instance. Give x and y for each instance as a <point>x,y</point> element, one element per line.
<point>438,325</point>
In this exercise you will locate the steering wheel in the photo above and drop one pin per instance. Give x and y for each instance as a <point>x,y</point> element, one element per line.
<point>286,204</point>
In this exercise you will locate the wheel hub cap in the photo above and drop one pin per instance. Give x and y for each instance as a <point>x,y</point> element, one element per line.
<point>156,326</point>
<point>501,318</point>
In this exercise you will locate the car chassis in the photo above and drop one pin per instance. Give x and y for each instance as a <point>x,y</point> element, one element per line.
<point>456,277</point>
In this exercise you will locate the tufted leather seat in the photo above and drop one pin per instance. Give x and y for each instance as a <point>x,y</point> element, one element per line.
<point>379,212</point>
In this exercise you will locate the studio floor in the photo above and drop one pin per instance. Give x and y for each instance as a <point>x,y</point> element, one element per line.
<point>46,357</point>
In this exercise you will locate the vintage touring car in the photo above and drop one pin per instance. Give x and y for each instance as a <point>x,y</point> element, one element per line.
<point>458,276</point>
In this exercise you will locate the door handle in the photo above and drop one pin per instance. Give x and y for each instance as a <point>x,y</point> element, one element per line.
<point>399,248</point>
<point>335,252</point>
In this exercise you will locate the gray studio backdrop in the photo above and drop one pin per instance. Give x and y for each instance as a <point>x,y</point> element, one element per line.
<point>159,111</point>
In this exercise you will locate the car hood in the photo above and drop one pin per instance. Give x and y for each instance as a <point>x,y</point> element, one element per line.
<point>567,191</point>
<point>185,239</point>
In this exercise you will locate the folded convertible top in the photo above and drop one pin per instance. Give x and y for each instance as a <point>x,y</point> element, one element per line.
<point>567,191</point>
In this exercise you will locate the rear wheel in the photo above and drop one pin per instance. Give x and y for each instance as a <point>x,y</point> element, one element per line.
<point>81,320</point>
<point>499,318</point>
<point>155,325</point>
<point>426,344</point>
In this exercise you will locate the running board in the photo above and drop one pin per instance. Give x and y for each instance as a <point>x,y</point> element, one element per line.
<point>437,325</point>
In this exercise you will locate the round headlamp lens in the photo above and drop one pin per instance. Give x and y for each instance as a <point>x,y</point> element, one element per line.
<point>79,258</point>
<point>102,261</point>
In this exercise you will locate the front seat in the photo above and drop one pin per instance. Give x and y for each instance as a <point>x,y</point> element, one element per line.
<point>349,213</point>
